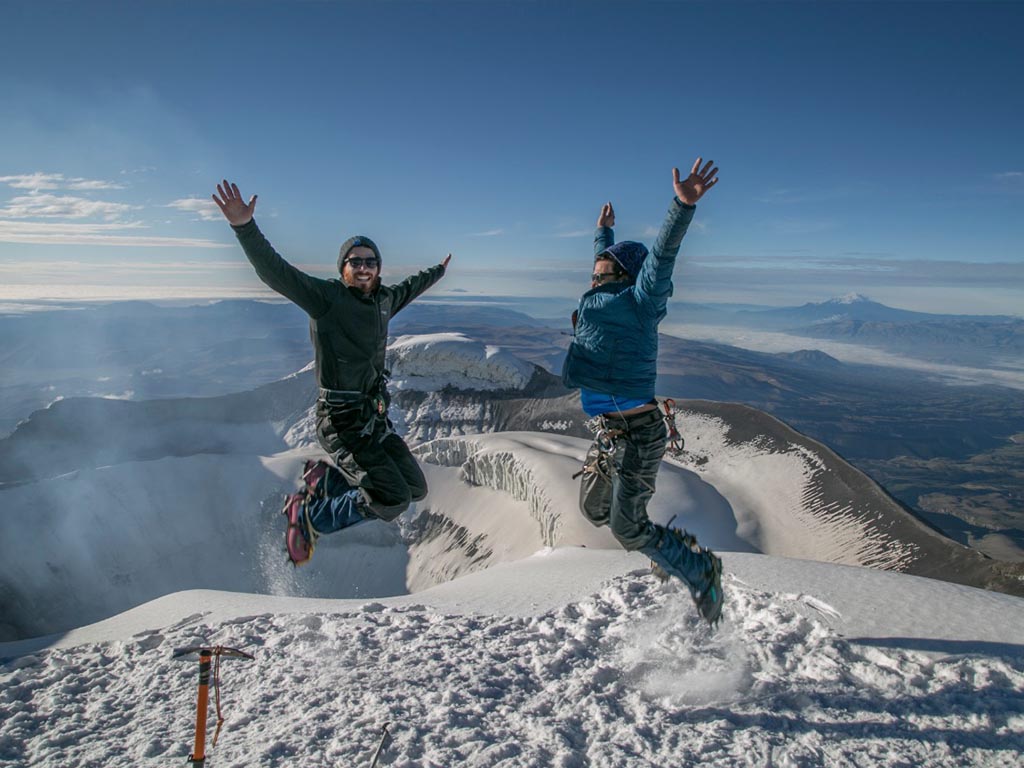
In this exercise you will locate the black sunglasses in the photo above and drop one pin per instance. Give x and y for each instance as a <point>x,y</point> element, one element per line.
<point>371,262</point>
<point>604,277</point>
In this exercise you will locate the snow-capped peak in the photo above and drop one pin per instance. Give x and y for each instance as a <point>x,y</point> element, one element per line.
<point>850,298</point>
<point>430,362</point>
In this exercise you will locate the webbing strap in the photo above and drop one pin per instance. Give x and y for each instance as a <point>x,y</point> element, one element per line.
<point>216,698</point>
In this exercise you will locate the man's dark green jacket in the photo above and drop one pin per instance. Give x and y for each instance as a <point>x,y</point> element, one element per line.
<point>348,328</point>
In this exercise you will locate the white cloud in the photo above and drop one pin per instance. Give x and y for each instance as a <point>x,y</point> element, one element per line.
<point>128,394</point>
<point>95,234</point>
<point>205,208</point>
<point>38,181</point>
<point>488,233</point>
<point>140,170</point>
<point>66,206</point>
<point>775,342</point>
<point>146,268</point>
<point>117,292</point>
<point>575,233</point>
<point>34,181</point>
<point>89,184</point>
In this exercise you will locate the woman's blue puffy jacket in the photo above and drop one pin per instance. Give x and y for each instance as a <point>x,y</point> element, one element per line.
<point>615,347</point>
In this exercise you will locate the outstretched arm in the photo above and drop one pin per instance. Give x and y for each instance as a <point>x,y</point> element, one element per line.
<point>654,283</point>
<point>302,289</point>
<point>414,285</point>
<point>604,237</point>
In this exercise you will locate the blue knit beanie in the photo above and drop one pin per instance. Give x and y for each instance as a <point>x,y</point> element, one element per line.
<point>355,242</point>
<point>628,254</point>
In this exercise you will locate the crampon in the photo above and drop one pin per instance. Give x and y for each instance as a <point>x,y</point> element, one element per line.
<point>299,537</point>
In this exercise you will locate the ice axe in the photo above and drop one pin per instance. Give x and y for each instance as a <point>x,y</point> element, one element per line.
<point>206,654</point>
<point>385,740</point>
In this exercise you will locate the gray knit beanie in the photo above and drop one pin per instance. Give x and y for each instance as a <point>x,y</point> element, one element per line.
<point>355,242</point>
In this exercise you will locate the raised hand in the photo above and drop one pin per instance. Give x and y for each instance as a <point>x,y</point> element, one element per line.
<point>607,217</point>
<point>445,262</point>
<point>230,203</point>
<point>696,184</point>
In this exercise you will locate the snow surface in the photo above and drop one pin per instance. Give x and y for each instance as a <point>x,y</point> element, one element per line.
<point>429,362</point>
<point>572,657</point>
<point>507,632</point>
<point>778,504</point>
<point>566,656</point>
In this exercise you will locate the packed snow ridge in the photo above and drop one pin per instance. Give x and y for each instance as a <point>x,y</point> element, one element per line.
<point>504,464</point>
<point>430,362</point>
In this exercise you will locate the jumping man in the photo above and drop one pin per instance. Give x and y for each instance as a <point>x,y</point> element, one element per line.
<point>374,474</point>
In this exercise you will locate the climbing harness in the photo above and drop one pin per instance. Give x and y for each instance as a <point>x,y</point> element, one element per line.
<point>604,435</point>
<point>367,408</point>
<point>676,444</point>
<point>206,653</point>
<point>602,461</point>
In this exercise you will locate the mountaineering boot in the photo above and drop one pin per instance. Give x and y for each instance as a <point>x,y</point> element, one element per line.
<point>676,553</point>
<point>299,537</point>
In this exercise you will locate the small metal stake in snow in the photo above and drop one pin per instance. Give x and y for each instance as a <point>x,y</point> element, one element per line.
<point>385,740</point>
<point>198,756</point>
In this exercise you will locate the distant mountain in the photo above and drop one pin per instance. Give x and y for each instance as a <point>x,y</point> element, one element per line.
<point>972,340</point>
<point>112,477</point>
<point>950,340</point>
<point>854,307</point>
<point>947,452</point>
<point>136,350</point>
<point>461,314</point>
<point>810,357</point>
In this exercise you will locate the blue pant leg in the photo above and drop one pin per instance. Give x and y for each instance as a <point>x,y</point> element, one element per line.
<point>328,514</point>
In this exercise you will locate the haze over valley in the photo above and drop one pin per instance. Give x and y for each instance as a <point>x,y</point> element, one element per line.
<point>950,451</point>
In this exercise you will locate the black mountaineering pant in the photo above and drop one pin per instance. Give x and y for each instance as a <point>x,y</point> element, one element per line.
<point>372,457</point>
<point>616,489</point>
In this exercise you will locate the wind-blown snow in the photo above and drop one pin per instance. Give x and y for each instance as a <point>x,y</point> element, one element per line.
<point>431,362</point>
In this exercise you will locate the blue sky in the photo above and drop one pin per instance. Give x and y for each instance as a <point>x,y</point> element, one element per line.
<point>863,147</point>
